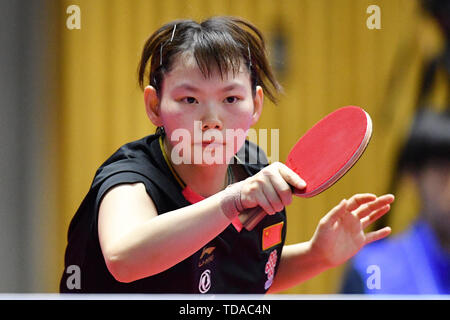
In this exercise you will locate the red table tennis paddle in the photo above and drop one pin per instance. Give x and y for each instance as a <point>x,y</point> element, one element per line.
<point>324,154</point>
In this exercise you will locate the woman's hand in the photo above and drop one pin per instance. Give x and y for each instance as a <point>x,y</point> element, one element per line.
<point>340,234</point>
<point>270,188</point>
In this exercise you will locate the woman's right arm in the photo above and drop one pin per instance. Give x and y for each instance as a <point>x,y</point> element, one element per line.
<point>136,242</point>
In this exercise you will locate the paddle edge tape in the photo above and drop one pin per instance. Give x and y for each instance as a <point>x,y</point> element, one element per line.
<point>341,172</point>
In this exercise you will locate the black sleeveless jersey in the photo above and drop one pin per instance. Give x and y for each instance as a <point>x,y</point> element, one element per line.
<point>233,262</point>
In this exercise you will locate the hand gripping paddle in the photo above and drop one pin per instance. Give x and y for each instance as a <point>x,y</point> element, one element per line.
<point>324,154</point>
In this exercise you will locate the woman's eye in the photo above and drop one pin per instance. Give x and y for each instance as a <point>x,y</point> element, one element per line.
<point>189,100</point>
<point>231,100</point>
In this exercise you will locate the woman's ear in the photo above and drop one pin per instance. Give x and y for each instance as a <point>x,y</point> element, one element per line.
<point>258,101</point>
<point>152,105</point>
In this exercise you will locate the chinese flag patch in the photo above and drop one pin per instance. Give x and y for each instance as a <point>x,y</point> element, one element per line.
<point>271,235</point>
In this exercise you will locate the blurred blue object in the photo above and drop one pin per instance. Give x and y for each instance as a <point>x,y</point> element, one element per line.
<point>410,263</point>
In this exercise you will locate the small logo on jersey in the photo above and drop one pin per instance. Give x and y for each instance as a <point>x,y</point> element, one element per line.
<point>271,235</point>
<point>206,256</point>
<point>270,268</point>
<point>205,281</point>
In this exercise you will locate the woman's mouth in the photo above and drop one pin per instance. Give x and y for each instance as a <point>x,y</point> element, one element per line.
<point>212,144</point>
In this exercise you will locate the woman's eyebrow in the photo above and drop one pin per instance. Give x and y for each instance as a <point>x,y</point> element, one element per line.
<point>232,87</point>
<point>186,86</point>
<point>189,87</point>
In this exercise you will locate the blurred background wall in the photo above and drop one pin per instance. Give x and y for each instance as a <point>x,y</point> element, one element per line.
<point>69,98</point>
<point>28,87</point>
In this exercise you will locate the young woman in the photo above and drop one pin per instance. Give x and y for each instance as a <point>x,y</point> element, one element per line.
<point>163,212</point>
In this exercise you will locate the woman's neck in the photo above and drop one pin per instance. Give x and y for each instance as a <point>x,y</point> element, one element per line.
<point>205,180</point>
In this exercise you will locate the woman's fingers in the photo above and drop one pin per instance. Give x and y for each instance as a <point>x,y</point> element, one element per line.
<point>271,195</point>
<point>377,235</point>
<point>374,216</point>
<point>346,206</point>
<point>378,203</point>
<point>282,180</point>
<point>276,187</point>
<point>270,188</point>
<point>359,199</point>
<point>334,214</point>
<point>365,206</point>
<point>290,176</point>
<point>280,185</point>
<point>265,204</point>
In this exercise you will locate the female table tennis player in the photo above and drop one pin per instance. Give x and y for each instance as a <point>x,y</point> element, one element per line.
<point>157,221</point>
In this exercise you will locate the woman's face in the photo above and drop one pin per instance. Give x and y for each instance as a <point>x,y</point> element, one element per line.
<point>206,119</point>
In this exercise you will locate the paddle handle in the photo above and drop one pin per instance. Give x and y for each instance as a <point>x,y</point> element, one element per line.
<point>252,216</point>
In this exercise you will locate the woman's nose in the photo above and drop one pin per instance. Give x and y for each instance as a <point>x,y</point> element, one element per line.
<point>211,124</point>
<point>211,119</point>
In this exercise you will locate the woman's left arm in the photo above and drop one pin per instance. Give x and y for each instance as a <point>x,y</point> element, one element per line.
<point>338,237</point>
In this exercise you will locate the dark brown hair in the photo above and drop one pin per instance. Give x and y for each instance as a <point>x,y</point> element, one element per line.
<point>222,42</point>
